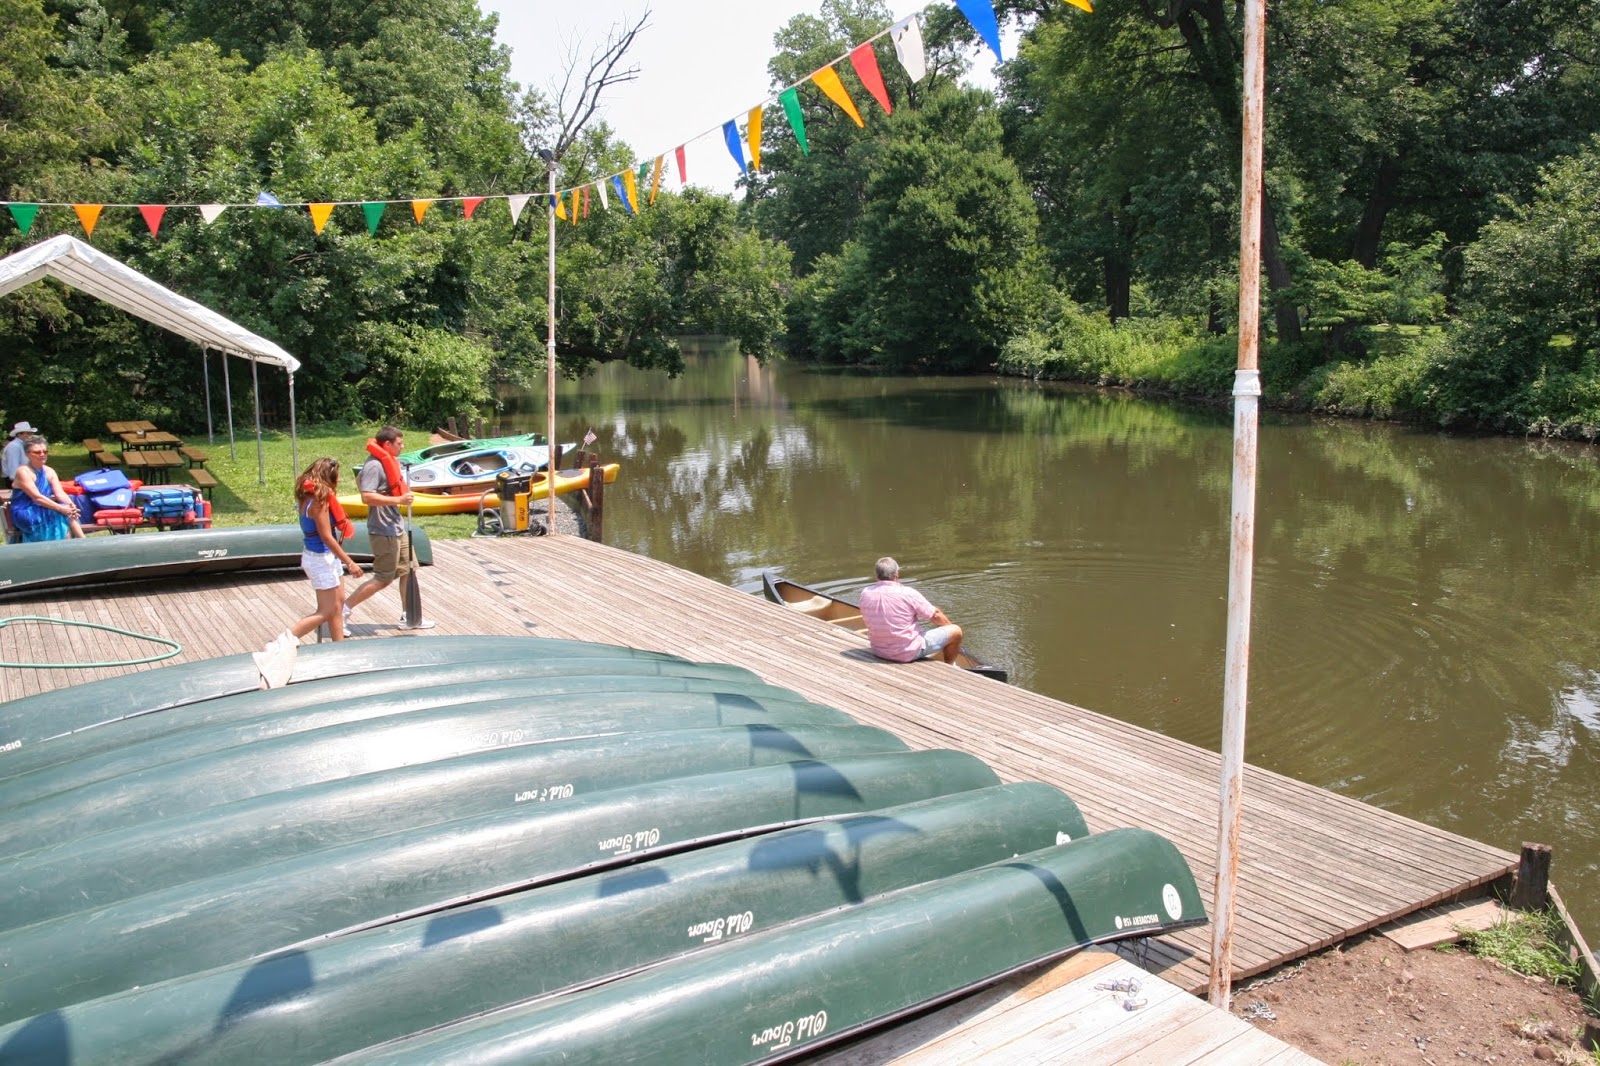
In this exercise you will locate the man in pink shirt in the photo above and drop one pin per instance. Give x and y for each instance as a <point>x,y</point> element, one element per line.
<point>892,611</point>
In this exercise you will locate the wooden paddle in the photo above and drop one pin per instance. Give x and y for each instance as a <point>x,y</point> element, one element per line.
<point>411,588</point>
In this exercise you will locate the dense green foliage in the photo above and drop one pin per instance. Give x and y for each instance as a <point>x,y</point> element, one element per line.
<point>1429,239</point>
<point>211,102</point>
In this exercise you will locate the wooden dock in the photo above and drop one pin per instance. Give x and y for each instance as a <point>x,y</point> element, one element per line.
<point>1317,868</point>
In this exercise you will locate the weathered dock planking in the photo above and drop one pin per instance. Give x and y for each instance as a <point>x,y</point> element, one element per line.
<point>1317,867</point>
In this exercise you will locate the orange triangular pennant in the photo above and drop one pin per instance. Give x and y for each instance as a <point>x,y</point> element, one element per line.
<point>152,216</point>
<point>420,208</point>
<point>827,79</point>
<point>88,214</point>
<point>319,215</point>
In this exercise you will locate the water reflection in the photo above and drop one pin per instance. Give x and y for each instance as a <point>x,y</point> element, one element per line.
<point>1424,633</point>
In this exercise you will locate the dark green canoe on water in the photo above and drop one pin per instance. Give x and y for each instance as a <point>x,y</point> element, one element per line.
<point>168,554</point>
<point>493,848</point>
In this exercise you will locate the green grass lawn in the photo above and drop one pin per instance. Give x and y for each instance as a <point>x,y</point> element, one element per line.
<point>242,500</point>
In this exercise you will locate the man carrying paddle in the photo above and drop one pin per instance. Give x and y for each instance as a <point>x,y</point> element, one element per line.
<point>384,491</point>
<point>892,611</point>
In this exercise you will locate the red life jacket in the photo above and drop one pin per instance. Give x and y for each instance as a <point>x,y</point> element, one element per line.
<point>342,527</point>
<point>391,467</point>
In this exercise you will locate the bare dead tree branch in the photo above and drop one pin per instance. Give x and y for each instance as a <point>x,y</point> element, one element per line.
<point>578,96</point>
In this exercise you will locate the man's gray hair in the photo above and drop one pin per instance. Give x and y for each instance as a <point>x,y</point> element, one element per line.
<point>888,569</point>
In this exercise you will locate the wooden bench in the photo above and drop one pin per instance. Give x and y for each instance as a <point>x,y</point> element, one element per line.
<point>195,456</point>
<point>93,445</point>
<point>204,479</point>
<point>105,459</point>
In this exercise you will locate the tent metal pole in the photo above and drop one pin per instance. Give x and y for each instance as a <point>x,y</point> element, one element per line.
<point>294,437</point>
<point>261,452</point>
<point>227,392</point>
<point>205,374</point>
<point>1241,555</point>
<point>550,355</point>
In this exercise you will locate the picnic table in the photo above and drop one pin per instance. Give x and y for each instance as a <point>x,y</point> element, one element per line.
<point>117,429</point>
<point>153,459</point>
<point>149,439</point>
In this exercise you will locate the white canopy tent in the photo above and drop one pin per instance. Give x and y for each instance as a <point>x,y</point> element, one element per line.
<point>81,266</point>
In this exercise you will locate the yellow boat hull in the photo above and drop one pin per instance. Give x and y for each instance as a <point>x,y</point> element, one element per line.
<point>427,503</point>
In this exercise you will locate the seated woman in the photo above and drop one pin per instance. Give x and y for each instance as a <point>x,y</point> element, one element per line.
<point>40,507</point>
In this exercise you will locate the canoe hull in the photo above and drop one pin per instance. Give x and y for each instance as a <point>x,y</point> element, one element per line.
<point>432,503</point>
<point>448,448</point>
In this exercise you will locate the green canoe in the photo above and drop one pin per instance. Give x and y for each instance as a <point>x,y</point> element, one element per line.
<point>351,992</point>
<point>169,554</point>
<point>792,989</point>
<point>290,904</point>
<point>101,868</point>
<point>445,449</point>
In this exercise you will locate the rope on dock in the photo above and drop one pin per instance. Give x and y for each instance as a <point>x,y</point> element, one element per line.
<point>173,645</point>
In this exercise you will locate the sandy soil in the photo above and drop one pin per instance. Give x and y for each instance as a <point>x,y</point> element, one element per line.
<point>1369,1002</point>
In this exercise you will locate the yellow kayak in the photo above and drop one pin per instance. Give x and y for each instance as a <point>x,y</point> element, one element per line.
<point>427,503</point>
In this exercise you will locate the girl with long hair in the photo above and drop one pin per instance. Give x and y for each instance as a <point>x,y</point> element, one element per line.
<point>324,559</point>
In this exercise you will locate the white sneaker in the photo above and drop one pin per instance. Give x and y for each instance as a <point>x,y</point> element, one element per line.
<point>347,612</point>
<point>426,623</point>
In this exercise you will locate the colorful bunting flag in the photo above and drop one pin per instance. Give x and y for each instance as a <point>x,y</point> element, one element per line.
<point>827,79</point>
<point>605,200</point>
<point>631,200</point>
<point>865,62</point>
<point>683,170</point>
<point>319,216</point>
<point>981,14</point>
<point>790,99</point>
<point>266,199</point>
<point>420,208</point>
<point>517,203</point>
<point>211,212</point>
<point>655,180</point>
<point>561,208</point>
<point>574,207</point>
<point>470,204</point>
<point>1083,4</point>
<point>754,134</point>
<point>374,213</point>
<point>24,214</point>
<point>153,213</point>
<point>908,49</point>
<point>585,201</point>
<point>730,134</point>
<point>88,214</point>
<point>622,194</point>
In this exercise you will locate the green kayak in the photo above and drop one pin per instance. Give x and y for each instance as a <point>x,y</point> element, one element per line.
<point>445,449</point>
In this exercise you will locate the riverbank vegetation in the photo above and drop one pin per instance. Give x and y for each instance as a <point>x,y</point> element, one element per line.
<point>1431,244</point>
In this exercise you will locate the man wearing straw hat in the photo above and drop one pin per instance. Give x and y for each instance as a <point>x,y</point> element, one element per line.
<point>16,450</point>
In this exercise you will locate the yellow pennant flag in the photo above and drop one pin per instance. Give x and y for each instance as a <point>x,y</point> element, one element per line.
<point>561,209</point>
<point>632,185</point>
<point>420,208</point>
<point>655,180</point>
<point>88,214</point>
<point>755,138</point>
<point>319,215</point>
<point>827,79</point>
<point>574,207</point>
<point>1083,4</point>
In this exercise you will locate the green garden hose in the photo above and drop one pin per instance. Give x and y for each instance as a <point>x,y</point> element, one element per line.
<point>174,645</point>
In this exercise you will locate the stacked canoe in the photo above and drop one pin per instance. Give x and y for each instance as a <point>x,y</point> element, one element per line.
<point>514,850</point>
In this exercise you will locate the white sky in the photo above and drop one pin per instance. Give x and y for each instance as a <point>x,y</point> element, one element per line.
<point>701,62</point>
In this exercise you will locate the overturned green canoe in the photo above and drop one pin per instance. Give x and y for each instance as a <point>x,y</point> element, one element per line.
<point>169,554</point>
<point>346,994</point>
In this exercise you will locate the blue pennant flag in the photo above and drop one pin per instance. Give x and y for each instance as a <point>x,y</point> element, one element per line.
<point>981,14</point>
<point>622,194</point>
<point>266,199</point>
<point>730,133</point>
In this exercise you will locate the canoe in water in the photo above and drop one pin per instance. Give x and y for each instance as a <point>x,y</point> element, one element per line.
<point>166,554</point>
<point>468,501</point>
<point>840,612</point>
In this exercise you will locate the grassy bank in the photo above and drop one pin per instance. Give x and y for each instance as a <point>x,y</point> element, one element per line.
<point>242,500</point>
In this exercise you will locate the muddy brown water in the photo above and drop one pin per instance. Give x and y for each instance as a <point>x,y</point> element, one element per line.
<point>1425,637</point>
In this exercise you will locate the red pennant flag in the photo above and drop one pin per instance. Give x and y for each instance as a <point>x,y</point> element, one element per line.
<point>683,168</point>
<point>470,204</point>
<point>586,201</point>
<point>152,216</point>
<point>865,60</point>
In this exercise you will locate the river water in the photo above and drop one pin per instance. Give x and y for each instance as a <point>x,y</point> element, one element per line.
<point>1425,634</point>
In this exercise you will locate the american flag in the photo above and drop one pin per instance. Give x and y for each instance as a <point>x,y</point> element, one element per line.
<point>589,438</point>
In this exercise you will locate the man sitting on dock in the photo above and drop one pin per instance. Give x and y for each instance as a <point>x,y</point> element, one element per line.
<point>892,610</point>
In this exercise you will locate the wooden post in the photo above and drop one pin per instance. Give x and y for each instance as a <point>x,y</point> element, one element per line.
<point>597,500</point>
<point>450,424</point>
<point>1531,892</point>
<point>479,432</point>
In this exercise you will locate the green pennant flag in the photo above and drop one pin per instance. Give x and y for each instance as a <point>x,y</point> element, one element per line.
<point>25,214</point>
<point>374,213</point>
<point>791,107</point>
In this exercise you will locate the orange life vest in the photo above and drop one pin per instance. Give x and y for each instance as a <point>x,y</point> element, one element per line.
<point>391,467</point>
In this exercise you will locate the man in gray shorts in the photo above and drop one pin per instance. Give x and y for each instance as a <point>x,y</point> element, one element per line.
<point>391,539</point>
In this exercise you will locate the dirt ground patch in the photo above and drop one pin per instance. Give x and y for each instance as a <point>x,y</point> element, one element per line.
<point>1369,1002</point>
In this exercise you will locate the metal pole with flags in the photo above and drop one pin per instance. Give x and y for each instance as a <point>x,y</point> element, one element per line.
<point>1241,554</point>
<point>551,447</point>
